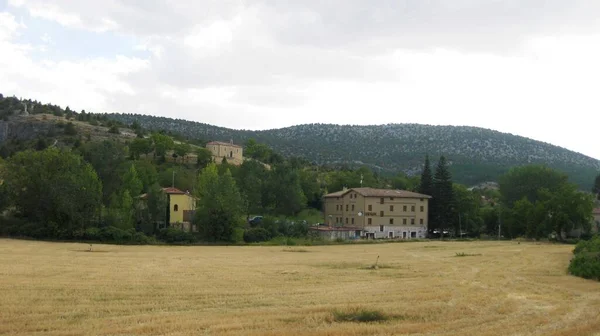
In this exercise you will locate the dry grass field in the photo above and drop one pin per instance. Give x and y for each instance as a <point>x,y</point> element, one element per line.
<point>497,288</point>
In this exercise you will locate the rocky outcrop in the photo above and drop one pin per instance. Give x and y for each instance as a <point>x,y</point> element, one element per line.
<point>23,128</point>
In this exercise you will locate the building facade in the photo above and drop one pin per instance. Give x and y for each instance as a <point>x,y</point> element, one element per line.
<point>379,213</point>
<point>233,153</point>
<point>596,221</point>
<point>181,207</point>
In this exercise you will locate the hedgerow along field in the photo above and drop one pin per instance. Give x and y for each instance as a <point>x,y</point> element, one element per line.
<point>420,288</point>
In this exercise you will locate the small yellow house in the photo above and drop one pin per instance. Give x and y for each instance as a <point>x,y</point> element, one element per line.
<point>181,209</point>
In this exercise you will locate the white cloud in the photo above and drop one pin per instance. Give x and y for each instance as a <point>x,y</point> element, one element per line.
<point>527,68</point>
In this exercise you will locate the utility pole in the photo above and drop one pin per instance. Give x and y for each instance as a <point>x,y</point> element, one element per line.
<point>459,226</point>
<point>499,224</point>
<point>173,180</point>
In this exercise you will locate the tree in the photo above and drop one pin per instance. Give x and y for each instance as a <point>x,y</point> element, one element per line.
<point>139,146</point>
<point>181,150</point>
<point>567,209</point>
<point>526,181</point>
<point>466,210</point>
<point>426,186</point>
<point>107,158</point>
<point>220,210</point>
<point>596,188</point>
<point>121,210</point>
<point>162,144</point>
<point>204,157</point>
<point>251,179</point>
<point>70,129</point>
<point>147,174</point>
<point>114,129</point>
<point>285,195</point>
<point>157,207</point>
<point>131,182</point>
<point>55,189</point>
<point>442,204</point>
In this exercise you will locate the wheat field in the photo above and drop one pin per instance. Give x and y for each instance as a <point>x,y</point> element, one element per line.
<point>491,288</point>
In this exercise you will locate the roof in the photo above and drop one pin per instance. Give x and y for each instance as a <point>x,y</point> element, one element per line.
<point>168,191</point>
<point>223,144</point>
<point>372,192</point>
<point>334,228</point>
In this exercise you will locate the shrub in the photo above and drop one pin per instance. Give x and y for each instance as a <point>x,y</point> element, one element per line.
<point>256,235</point>
<point>586,263</point>
<point>173,235</point>
<point>113,234</point>
<point>359,315</point>
<point>237,236</point>
<point>92,233</point>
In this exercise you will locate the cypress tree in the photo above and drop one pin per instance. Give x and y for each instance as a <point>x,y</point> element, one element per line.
<point>426,186</point>
<point>443,197</point>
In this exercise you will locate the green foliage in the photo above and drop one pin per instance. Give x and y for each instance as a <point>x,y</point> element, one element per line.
<point>172,235</point>
<point>426,186</point>
<point>107,158</point>
<point>157,206</point>
<point>442,204</point>
<point>114,129</point>
<point>596,187</point>
<point>203,157</point>
<point>131,182</point>
<point>586,262</point>
<point>162,144</point>
<point>220,207</point>
<point>53,188</point>
<point>70,129</point>
<point>140,146</point>
<point>288,200</point>
<point>526,181</point>
<point>359,315</point>
<point>181,150</point>
<point>255,235</point>
<point>121,211</point>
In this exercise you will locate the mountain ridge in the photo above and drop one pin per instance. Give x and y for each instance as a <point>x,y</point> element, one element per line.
<point>477,154</point>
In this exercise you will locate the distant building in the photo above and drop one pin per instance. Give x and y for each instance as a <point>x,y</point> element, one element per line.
<point>181,209</point>
<point>377,213</point>
<point>231,152</point>
<point>596,220</point>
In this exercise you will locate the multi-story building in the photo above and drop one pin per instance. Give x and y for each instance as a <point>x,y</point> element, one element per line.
<point>233,153</point>
<point>181,207</point>
<point>378,213</point>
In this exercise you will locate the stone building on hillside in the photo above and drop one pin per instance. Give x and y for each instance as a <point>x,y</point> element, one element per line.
<point>377,213</point>
<point>228,150</point>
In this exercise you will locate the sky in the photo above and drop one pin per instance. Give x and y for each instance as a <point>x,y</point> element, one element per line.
<point>527,67</point>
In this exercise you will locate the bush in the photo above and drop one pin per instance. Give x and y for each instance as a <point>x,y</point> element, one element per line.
<point>173,235</point>
<point>586,263</point>
<point>256,235</point>
<point>237,236</point>
<point>113,234</point>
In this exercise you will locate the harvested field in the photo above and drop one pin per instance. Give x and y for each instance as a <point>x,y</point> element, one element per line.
<point>501,288</point>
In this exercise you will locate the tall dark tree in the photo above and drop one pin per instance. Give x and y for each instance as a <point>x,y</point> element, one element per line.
<point>596,188</point>
<point>426,186</point>
<point>443,197</point>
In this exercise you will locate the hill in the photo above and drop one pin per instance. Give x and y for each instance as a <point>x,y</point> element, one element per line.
<point>476,154</point>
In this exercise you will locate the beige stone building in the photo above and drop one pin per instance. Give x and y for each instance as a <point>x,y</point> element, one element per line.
<point>596,221</point>
<point>228,150</point>
<point>378,213</point>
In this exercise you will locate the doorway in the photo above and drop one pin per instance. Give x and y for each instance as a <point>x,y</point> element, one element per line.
<point>404,235</point>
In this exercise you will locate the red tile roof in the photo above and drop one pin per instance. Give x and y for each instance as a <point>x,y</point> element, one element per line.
<point>372,192</point>
<point>223,144</point>
<point>173,191</point>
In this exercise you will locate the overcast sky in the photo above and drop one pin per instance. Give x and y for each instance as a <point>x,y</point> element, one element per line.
<point>528,67</point>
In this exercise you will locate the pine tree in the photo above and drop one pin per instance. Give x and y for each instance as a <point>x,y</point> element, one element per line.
<point>426,186</point>
<point>596,189</point>
<point>132,182</point>
<point>443,197</point>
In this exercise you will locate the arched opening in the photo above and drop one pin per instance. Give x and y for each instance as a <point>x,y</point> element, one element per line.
<point>176,207</point>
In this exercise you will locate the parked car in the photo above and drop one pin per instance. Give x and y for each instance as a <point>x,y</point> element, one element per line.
<point>256,220</point>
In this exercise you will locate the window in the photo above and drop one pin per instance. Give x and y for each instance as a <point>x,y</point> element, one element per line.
<point>346,220</point>
<point>381,200</point>
<point>370,207</point>
<point>352,220</point>
<point>421,221</point>
<point>380,228</point>
<point>412,208</point>
<point>404,208</point>
<point>391,198</point>
<point>346,207</point>
<point>412,221</point>
<point>175,207</point>
<point>413,235</point>
<point>422,200</point>
<point>404,221</point>
<point>369,221</point>
<point>352,207</point>
<point>422,208</point>
<point>391,208</point>
<point>391,221</point>
<point>381,213</point>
